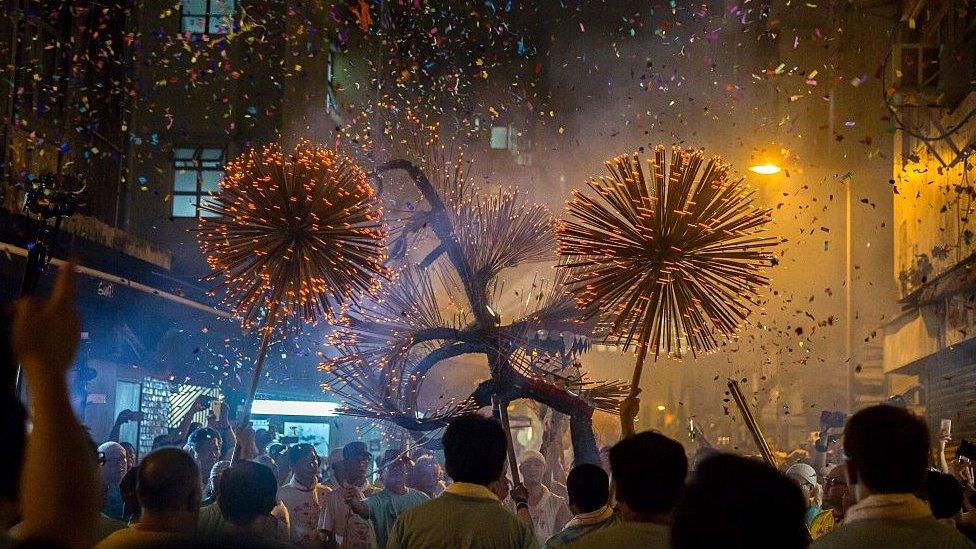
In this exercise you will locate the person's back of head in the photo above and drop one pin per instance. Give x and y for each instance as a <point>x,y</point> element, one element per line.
<point>944,494</point>
<point>475,449</point>
<point>130,452</point>
<point>168,481</point>
<point>247,492</point>
<point>267,461</point>
<point>588,487</point>
<point>262,437</point>
<point>424,472</point>
<point>649,471</point>
<point>298,452</point>
<point>733,501</point>
<point>887,448</point>
<point>162,441</point>
<point>279,452</point>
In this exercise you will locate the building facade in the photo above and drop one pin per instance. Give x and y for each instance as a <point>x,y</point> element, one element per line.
<point>930,348</point>
<point>143,102</point>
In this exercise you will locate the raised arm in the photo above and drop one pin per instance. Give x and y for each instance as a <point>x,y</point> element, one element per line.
<point>60,485</point>
<point>228,447</point>
<point>124,417</point>
<point>183,431</point>
<point>943,463</point>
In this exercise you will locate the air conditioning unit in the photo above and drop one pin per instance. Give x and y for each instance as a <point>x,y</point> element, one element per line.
<point>925,75</point>
<point>914,74</point>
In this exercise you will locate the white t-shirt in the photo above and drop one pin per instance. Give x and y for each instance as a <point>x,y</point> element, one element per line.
<point>545,513</point>
<point>304,506</point>
<point>351,530</point>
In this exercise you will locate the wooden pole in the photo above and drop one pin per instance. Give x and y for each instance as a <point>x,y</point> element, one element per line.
<point>627,417</point>
<point>754,428</point>
<point>638,369</point>
<point>255,377</point>
<point>502,407</point>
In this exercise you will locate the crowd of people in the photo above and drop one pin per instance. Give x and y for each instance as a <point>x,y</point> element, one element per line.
<point>214,486</point>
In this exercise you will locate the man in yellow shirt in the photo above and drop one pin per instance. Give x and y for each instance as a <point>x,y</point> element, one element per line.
<point>169,494</point>
<point>468,514</point>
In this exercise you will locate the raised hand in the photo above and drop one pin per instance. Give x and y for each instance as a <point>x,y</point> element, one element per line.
<point>46,332</point>
<point>629,408</point>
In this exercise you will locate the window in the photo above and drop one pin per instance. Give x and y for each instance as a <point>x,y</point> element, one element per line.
<point>500,137</point>
<point>207,16</point>
<point>508,138</point>
<point>128,396</point>
<point>196,175</point>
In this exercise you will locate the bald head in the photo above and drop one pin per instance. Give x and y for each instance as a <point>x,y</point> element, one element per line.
<point>113,462</point>
<point>168,482</point>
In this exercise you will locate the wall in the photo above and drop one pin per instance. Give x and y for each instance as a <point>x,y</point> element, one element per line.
<point>933,205</point>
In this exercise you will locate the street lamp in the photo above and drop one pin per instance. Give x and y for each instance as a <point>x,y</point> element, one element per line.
<point>765,169</point>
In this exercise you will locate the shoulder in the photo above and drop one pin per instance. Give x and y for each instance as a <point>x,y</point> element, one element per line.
<point>422,510</point>
<point>864,533</point>
<point>333,498</point>
<point>624,534</point>
<point>129,537</point>
<point>597,539</point>
<point>121,535</point>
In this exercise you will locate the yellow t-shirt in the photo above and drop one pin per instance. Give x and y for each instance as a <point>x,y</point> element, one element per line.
<point>133,536</point>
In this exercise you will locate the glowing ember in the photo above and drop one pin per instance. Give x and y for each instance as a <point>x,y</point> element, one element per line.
<point>299,235</point>
<point>674,260</point>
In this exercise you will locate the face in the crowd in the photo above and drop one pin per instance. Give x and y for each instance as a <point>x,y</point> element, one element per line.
<point>532,471</point>
<point>806,488</point>
<point>395,474</point>
<point>130,455</point>
<point>308,466</point>
<point>424,473</point>
<point>207,452</point>
<point>358,465</point>
<point>115,464</point>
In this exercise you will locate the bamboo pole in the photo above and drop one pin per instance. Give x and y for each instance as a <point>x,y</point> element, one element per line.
<point>751,423</point>
<point>502,407</point>
<point>255,377</point>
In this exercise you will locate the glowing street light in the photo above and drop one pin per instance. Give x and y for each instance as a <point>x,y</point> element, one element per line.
<point>765,169</point>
